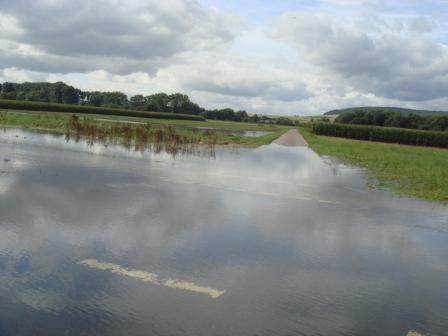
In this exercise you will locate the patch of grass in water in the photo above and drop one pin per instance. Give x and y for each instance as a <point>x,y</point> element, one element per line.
<point>252,141</point>
<point>142,137</point>
<point>168,131</point>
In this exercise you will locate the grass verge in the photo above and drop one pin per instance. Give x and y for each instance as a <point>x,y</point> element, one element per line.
<point>410,171</point>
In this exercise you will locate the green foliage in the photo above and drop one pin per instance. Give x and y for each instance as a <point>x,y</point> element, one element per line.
<point>62,93</point>
<point>106,99</point>
<point>225,114</point>
<point>276,121</point>
<point>138,101</point>
<point>400,110</point>
<point>35,106</point>
<point>44,92</point>
<point>383,134</point>
<point>388,118</point>
<point>284,121</point>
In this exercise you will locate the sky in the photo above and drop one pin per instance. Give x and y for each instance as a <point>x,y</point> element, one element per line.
<point>285,57</point>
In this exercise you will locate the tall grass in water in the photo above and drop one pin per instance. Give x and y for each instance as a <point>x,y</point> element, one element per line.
<point>3,117</point>
<point>143,137</point>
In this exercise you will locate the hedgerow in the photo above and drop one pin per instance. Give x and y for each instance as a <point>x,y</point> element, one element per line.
<point>383,134</point>
<point>52,107</point>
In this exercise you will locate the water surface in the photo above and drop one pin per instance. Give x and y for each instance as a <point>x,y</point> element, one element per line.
<point>297,244</point>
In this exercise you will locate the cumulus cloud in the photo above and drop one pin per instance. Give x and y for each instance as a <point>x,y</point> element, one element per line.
<point>330,54</point>
<point>243,78</point>
<point>385,62</point>
<point>421,25</point>
<point>117,36</point>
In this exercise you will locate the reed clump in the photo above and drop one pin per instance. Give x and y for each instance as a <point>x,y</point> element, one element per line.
<point>4,117</point>
<point>141,137</point>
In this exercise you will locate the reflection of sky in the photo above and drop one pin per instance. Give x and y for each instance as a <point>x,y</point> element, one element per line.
<point>228,222</point>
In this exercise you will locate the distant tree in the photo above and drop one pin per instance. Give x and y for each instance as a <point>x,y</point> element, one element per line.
<point>9,91</point>
<point>137,101</point>
<point>69,95</point>
<point>60,92</point>
<point>114,99</point>
<point>393,120</point>
<point>94,98</point>
<point>241,116</point>
<point>157,102</point>
<point>56,92</point>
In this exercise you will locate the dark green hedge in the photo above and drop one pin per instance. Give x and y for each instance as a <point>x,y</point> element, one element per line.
<point>383,134</point>
<point>51,107</point>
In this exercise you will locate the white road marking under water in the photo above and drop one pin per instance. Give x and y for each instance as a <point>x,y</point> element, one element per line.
<point>152,278</point>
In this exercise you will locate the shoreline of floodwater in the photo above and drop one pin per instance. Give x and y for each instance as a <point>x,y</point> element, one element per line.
<point>95,130</point>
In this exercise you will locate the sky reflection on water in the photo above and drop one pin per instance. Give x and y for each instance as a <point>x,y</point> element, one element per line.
<point>298,243</point>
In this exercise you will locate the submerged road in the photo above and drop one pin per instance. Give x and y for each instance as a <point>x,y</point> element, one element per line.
<point>292,138</point>
<point>268,241</point>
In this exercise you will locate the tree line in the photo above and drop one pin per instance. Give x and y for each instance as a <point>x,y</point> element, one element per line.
<point>388,118</point>
<point>26,105</point>
<point>62,93</point>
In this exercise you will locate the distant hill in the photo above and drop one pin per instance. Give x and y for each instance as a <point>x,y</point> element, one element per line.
<point>403,111</point>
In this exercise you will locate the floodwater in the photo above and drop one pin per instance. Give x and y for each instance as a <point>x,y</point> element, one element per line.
<point>267,241</point>
<point>214,129</point>
<point>233,132</point>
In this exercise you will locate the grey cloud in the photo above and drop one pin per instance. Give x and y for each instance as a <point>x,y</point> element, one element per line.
<point>124,34</point>
<point>239,77</point>
<point>45,63</point>
<point>65,64</point>
<point>254,88</point>
<point>387,64</point>
<point>421,25</point>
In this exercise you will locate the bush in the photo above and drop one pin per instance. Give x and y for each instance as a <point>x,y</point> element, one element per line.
<point>51,107</point>
<point>284,121</point>
<point>383,134</point>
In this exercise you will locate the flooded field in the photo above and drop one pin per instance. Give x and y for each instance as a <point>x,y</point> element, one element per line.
<point>233,132</point>
<point>276,240</point>
<point>221,130</point>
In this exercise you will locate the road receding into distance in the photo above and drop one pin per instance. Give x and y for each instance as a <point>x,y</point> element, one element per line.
<point>292,138</point>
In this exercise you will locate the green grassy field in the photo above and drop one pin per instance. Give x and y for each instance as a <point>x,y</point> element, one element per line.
<point>411,171</point>
<point>57,122</point>
<point>59,116</point>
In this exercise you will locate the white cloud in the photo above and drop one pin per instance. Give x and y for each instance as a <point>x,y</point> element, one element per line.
<point>326,56</point>
<point>110,35</point>
<point>240,78</point>
<point>384,62</point>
